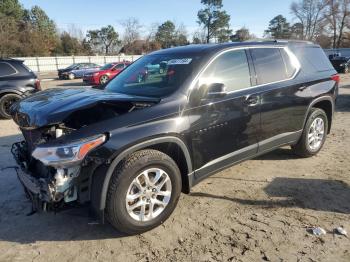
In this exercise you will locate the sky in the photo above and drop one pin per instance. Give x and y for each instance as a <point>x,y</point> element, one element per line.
<point>93,14</point>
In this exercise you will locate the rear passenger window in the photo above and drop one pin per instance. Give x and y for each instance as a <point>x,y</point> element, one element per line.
<point>6,69</point>
<point>269,65</point>
<point>230,69</point>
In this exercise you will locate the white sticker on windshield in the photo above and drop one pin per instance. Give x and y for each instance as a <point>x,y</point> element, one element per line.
<point>182,61</point>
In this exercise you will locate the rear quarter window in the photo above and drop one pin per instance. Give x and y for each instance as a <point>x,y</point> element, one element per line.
<point>6,69</point>
<point>313,59</point>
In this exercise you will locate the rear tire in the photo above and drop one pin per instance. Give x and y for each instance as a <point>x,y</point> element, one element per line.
<point>314,134</point>
<point>6,101</point>
<point>128,188</point>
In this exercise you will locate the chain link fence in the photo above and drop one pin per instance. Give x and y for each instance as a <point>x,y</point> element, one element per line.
<point>47,64</point>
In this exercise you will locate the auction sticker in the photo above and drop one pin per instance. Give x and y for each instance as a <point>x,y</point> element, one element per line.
<point>181,61</point>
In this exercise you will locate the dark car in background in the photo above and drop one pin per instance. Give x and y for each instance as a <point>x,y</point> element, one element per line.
<point>340,63</point>
<point>16,82</point>
<point>131,149</point>
<point>77,70</point>
<point>105,73</point>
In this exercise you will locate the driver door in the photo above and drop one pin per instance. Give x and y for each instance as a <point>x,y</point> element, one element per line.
<point>224,129</point>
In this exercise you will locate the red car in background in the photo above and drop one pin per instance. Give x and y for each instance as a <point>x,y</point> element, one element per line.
<point>106,73</point>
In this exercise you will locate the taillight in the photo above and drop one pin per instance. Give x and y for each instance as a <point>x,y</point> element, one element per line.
<point>336,78</point>
<point>37,85</point>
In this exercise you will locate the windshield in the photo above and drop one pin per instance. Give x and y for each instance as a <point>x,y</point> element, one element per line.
<point>107,66</point>
<point>72,66</point>
<point>154,75</point>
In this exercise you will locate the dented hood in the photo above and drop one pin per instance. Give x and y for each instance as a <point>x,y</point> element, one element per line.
<point>54,105</point>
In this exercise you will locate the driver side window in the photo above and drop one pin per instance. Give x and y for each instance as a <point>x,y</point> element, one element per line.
<point>231,69</point>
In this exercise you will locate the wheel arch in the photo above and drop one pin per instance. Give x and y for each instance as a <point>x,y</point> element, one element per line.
<point>325,103</point>
<point>172,146</point>
<point>10,91</point>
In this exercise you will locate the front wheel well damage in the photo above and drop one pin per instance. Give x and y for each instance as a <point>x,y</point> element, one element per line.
<point>100,180</point>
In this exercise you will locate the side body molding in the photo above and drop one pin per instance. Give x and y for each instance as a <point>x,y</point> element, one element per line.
<point>134,148</point>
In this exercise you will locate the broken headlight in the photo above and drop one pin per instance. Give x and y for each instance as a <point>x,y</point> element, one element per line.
<point>69,154</point>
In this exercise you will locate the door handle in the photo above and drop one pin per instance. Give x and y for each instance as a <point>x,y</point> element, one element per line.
<point>252,100</point>
<point>302,88</point>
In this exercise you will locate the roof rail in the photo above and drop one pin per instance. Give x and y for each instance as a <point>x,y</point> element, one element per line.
<point>10,59</point>
<point>295,41</point>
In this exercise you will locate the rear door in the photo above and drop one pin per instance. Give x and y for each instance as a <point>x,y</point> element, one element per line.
<point>284,99</point>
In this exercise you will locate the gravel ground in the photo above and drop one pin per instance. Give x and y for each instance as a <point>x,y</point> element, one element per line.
<point>259,210</point>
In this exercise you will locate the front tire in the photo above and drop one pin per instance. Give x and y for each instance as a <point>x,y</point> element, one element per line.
<point>314,134</point>
<point>71,76</point>
<point>104,79</point>
<point>6,101</point>
<point>143,192</point>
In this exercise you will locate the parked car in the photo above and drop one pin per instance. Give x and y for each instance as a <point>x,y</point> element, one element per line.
<point>105,73</point>
<point>340,63</point>
<point>16,82</point>
<point>130,149</point>
<point>77,70</point>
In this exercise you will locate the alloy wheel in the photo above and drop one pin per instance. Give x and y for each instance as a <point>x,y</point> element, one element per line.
<point>316,134</point>
<point>148,194</point>
<point>104,79</point>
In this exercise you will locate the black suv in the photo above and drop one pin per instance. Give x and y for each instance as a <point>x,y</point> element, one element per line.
<point>16,82</point>
<point>131,149</point>
<point>340,63</point>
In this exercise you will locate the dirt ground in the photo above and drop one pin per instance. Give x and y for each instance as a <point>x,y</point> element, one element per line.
<point>259,210</point>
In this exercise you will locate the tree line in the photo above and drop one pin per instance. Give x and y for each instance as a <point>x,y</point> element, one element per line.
<point>326,22</point>
<point>31,32</point>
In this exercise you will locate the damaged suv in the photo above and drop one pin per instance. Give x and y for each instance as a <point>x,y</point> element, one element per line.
<point>131,149</point>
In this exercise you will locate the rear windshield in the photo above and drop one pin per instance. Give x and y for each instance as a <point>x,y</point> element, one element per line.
<point>154,75</point>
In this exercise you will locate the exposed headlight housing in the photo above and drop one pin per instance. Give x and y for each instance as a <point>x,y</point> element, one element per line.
<point>67,155</point>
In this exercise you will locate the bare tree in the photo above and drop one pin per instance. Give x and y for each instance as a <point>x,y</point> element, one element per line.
<point>132,30</point>
<point>152,31</point>
<point>310,15</point>
<point>75,31</point>
<point>338,18</point>
<point>199,36</point>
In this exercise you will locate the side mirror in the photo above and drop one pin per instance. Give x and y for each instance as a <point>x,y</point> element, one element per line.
<point>216,90</point>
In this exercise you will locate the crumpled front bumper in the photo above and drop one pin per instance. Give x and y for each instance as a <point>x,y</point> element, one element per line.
<point>37,190</point>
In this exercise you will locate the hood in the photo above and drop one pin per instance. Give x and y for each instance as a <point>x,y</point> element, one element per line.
<point>54,106</point>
